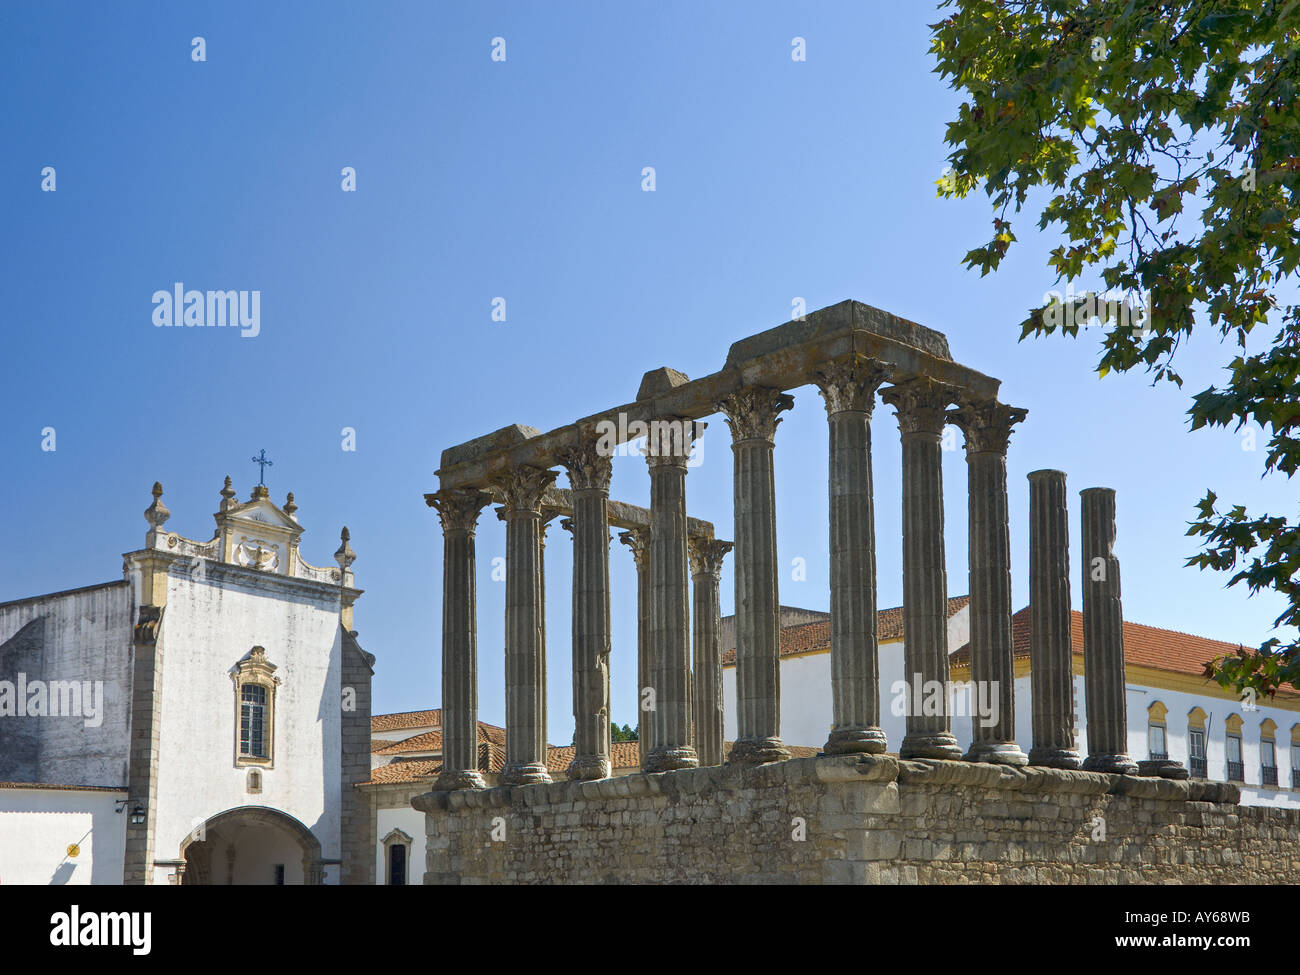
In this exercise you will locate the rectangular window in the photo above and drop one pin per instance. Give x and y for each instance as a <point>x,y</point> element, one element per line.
<point>1156,741</point>
<point>1267,754</point>
<point>1196,752</point>
<point>397,865</point>
<point>252,721</point>
<point>279,875</point>
<point>1236,770</point>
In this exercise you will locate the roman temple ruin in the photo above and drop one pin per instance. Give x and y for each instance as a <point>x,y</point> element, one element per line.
<point>667,822</point>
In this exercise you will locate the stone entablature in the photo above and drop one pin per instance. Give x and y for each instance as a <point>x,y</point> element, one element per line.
<point>861,819</point>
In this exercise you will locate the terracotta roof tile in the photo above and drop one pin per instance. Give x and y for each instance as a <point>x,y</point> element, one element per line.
<point>406,719</point>
<point>405,770</point>
<point>811,637</point>
<point>432,741</point>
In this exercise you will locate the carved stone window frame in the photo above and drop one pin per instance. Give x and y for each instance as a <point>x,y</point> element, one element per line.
<point>394,838</point>
<point>255,670</point>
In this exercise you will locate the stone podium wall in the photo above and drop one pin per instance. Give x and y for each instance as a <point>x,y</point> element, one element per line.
<point>862,819</point>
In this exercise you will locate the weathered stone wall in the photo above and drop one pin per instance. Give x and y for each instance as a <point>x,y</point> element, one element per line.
<point>862,819</point>
<point>356,822</point>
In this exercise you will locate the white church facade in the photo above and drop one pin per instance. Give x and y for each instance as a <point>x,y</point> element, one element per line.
<point>204,720</point>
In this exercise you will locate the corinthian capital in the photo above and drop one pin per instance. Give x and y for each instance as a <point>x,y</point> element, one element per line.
<point>458,508</point>
<point>523,487</point>
<point>752,412</point>
<point>986,423</point>
<point>588,468</point>
<point>850,384</point>
<point>669,440</point>
<point>920,404</point>
<point>638,540</point>
<point>706,555</point>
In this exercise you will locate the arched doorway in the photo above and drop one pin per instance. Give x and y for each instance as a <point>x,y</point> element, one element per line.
<point>251,845</point>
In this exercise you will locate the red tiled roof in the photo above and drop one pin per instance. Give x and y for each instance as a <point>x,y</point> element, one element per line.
<point>811,637</point>
<point>406,719</point>
<point>409,770</point>
<point>1145,646</point>
<point>432,741</point>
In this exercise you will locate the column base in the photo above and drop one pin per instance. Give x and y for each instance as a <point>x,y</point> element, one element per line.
<point>666,758</point>
<point>848,741</point>
<point>930,744</point>
<point>997,753</point>
<point>1115,764</point>
<point>1163,768</point>
<point>584,768</point>
<point>1066,758</point>
<point>526,773</point>
<point>453,779</point>
<point>758,751</point>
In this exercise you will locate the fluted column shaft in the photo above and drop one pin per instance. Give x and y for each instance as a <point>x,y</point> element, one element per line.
<point>589,476</point>
<point>706,570</point>
<point>638,540</point>
<point>752,415</point>
<point>1051,652</point>
<point>524,628</point>
<point>670,621</point>
<point>920,404</point>
<point>849,390</point>
<point>987,425</point>
<point>1103,638</point>
<point>459,511</point>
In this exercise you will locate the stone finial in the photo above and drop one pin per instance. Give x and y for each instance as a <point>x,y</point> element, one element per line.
<point>227,495</point>
<point>345,556</point>
<point>157,514</point>
<point>289,506</point>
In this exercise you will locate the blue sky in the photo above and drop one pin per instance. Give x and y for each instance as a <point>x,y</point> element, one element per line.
<point>518,179</point>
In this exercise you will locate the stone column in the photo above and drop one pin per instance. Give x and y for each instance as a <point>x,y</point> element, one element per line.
<point>589,475</point>
<point>1051,654</point>
<point>849,389</point>
<point>638,540</point>
<point>706,556</point>
<point>1103,638</point>
<point>987,425</point>
<point>920,404</point>
<point>523,488</point>
<point>459,511</point>
<point>667,451</point>
<point>752,415</point>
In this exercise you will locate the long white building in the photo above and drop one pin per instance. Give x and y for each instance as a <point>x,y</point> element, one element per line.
<point>1172,709</point>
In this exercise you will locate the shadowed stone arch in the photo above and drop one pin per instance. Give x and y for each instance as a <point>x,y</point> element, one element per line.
<point>197,849</point>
